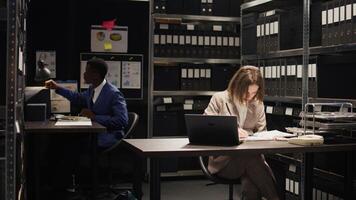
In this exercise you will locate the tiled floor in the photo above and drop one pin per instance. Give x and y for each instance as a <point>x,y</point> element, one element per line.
<point>192,189</point>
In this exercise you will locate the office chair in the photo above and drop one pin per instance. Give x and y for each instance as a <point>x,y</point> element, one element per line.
<point>218,180</point>
<point>116,150</point>
<point>109,154</point>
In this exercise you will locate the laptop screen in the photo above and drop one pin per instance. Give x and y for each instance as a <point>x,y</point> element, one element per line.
<point>212,129</point>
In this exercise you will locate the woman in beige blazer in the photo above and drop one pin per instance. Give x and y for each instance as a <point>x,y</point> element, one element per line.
<point>244,99</point>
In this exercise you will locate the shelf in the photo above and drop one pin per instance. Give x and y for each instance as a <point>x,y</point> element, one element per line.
<point>163,60</point>
<point>264,5</point>
<point>2,158</point>
<point>3,14</point>
<point>294,100</point>
<point>317,50</point>
<point>195,18</point>
<point>298,100</point>
<point>332,100</point>
<point>184,93</point>
<point>253,4</point>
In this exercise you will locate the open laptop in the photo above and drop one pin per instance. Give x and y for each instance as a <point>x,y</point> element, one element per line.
<point>212,129</point>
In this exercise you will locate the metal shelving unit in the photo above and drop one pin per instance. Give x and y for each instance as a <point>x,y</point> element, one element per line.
<point>184,93</point>
<point>259,5</point>
<point>298,100</point>
<point>158,60</point>
<point>317,50</point>
<point>195,18</point>
<point>304,53</point>
<point>15,16</point>
<point>179,19</point>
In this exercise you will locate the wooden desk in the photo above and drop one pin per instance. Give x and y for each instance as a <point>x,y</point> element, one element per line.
<point>180,147</point>
<point>49,128</point>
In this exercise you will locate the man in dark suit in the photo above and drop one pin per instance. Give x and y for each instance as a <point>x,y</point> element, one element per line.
<point>102,102</point>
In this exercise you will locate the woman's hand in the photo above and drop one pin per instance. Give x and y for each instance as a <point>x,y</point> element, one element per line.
<point>242,133</point>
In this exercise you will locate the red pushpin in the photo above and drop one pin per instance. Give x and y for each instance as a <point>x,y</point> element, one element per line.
<point>109,25</point>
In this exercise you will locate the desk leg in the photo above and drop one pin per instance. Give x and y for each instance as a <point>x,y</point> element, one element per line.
<point>306,176</point>
<point>36,165</point>
<point>348,178</point>
<point>94,161</point>
<point>155,182</point>
<point>137,185</point>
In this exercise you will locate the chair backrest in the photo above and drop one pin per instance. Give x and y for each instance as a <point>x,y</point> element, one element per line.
<point>131,125</point>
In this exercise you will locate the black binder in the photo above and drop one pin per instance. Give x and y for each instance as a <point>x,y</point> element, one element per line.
<point>234,7</point>
<point>348,21</point>
<point>283,77</point>
<point>183,78</point>
<point>221,8</point>
<point>336,25</point>
<point>330,23</point>
<point>248,29</point>
<point>221,75</point>
<point>354,25</point>
<point>191,7</point>
<point>166,78</point>
<point>324,24</point>
<point>174,6</point>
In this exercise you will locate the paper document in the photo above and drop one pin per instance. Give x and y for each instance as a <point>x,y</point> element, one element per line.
<point>268,135</point>
<point>73,121</point>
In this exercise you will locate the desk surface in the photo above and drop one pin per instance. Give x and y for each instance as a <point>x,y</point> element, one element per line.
<point>181,147</point>
<point>48,127</point>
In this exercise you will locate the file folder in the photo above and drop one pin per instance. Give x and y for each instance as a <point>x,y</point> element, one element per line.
<point>221,75</point>
<point>248,44</point>
<point>336,23</point>
<point>348,21</point>
<point>191,7</point>
<point>354,21</point>
<point>166,78</point>
<point>221,8</point>
<point>283,77</point>
<point>183,79</point>
<point>234,7</point>
<point>342,21</point>
<point>330,23</point>
<point>299,80</point>
<point>174,6</point>
<point>324,24</point>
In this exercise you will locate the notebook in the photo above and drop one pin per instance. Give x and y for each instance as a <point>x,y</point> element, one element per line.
<point>217,130</point>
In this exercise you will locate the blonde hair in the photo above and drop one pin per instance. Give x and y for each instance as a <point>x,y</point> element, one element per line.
<point>242,79</point>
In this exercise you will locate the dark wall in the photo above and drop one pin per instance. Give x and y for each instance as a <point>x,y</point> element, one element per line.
<point>64,26</point>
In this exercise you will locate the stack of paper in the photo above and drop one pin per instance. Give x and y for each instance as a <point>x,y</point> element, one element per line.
<point>73,121</point>
<point>268,135</point>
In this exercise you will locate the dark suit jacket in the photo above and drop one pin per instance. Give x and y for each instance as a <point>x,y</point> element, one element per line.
<point>109,109</point>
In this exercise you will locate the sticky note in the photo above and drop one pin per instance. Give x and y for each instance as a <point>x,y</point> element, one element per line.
<point>107,46</point>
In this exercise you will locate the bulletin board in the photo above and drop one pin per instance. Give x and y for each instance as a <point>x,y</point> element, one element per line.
<point>124,71</point>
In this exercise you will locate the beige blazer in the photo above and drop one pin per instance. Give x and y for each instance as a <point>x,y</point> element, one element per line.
<point>251,118</point>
